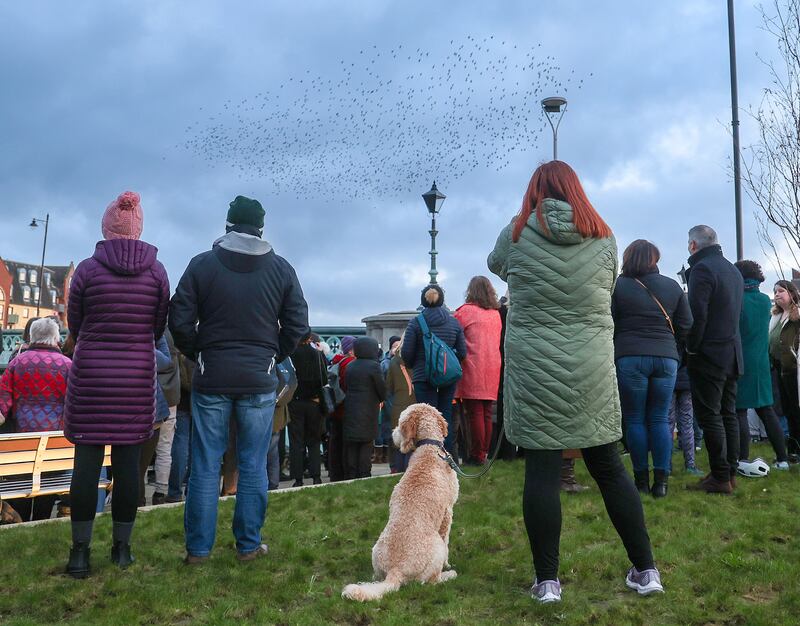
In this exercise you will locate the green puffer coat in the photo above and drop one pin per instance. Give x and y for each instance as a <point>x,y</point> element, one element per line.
<point>560,381</point>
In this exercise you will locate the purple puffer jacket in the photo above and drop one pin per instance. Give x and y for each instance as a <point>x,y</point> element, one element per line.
<point>118,304</point>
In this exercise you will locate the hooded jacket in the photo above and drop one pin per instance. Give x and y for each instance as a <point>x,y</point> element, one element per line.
<point>118,304</point>
<point>238,309</point>
<point>442,324</point>
<point>365,392</point>
<point>560,385</point>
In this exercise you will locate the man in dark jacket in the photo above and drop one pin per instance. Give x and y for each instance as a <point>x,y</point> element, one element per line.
<point>306,422</point>
<point>715,354</point>
<point>237,311</point>
<point>366,390</point>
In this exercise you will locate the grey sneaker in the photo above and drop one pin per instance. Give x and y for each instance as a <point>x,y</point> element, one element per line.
<point>781,465</point>
<point>546,591</point>
<point>260,551</point>
<point>645,582</point>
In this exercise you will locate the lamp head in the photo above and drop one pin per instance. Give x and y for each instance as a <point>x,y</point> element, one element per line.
<point>433,199</point>
<point>553,104</point>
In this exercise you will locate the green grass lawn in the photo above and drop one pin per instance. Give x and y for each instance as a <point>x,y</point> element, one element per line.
<point>731,560</point>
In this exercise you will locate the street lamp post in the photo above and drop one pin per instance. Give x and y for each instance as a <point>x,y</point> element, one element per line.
<point>433,201</point>
<point>552,106</point>
<point>35,224</point>
<point>737,174</point>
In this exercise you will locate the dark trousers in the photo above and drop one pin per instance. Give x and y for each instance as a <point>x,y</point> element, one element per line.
<point>86,475</point>
<point>541,506</point>
<point>791,408</point>
<point>305,431</point>
<point>442,399</point>
<point>147,452</point>
<point>771,425</point>
<point>359,459</point>
<point>508,451</point>
<point>32,509</point>
<point>336,453</point>
<point>714,404</point>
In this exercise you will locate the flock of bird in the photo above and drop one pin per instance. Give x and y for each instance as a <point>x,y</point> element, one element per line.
<point>387,122</point>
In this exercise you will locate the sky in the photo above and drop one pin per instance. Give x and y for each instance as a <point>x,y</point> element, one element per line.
<point>191,104</point>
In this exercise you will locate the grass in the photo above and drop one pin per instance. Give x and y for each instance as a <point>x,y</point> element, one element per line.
<point>723,561</point>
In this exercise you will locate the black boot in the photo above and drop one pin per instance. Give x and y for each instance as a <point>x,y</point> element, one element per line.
<point>121,554</point>
<point>78,564</point>
<point>659,489</point>
<point>642,480</point>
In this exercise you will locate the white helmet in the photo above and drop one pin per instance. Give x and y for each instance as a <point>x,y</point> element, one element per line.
<point>753,469</point>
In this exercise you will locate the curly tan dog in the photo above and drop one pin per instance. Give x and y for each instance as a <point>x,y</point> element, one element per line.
<point>414,544</point>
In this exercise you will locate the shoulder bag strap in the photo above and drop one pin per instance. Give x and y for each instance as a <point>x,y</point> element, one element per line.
<point>423,325</point>
<point>660,306</point>
<point>408,379</point>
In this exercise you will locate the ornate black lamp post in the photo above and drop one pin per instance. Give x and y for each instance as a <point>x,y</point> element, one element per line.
<point>35,224</point>
<point>433,200</point>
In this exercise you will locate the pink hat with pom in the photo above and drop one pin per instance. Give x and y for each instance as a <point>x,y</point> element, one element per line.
<point>123,218</point>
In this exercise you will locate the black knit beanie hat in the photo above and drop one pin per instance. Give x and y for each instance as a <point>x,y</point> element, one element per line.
<point>439,302</point>
<point>245,212</point>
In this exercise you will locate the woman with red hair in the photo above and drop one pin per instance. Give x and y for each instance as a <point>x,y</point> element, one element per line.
<point>559,259</point>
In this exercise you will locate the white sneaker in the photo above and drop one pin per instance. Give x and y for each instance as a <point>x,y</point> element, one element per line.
<point>781,465</point>
<point>546,591</point>
<point>645,582</point>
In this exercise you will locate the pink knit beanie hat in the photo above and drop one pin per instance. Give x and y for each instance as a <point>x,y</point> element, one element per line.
<point>123,218</point>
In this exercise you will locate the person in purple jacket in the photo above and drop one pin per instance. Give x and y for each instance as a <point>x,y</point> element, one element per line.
<point>118,304</point>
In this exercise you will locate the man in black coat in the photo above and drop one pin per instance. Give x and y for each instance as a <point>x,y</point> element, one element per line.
<point>715,354</point>
<point>238,310</point>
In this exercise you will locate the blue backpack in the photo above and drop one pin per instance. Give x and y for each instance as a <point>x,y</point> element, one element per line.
<point>442,367</point>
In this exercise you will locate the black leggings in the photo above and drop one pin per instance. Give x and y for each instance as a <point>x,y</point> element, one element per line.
<point>771,425</point>
<point>541,506</point>
<point>86,475</point>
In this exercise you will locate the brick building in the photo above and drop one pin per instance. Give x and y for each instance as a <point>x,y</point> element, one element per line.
<point>19,292</point>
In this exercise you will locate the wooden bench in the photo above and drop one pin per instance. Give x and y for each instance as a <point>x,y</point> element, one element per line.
<point>39,464</point>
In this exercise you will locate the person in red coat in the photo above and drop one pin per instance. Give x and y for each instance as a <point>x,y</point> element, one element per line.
<point>478,387</point>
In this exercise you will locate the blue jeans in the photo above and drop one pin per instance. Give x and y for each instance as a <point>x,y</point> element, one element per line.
<point>646,384</point>
<point>210,427</point>
<point>274,461</point>
<point>180,455</point>
<point>442,399</point>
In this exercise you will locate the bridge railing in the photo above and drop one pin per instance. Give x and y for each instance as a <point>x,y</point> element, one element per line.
<point>331,335</point>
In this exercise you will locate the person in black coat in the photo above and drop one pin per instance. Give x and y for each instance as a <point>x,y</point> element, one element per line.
<point>366,390</point>
<point>447,328</point>
<point>651,319</point>
<point>714,351</point>
<point>306,422</point>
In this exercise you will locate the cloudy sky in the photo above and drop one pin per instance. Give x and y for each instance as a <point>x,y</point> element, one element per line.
<point>100,97</point>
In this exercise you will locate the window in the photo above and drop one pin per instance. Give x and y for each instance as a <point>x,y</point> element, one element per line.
<point>36,294</point>
<point>26,293</point>
<point>33,277</point>
<point>2,295</point>
<point>25,312</point>
<point>22,274</point>
<point>53,296</point>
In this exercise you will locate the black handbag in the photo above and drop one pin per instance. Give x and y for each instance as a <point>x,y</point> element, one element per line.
<point>327,397</point>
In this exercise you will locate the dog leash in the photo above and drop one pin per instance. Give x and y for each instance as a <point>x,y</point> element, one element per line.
<point>447,457</point>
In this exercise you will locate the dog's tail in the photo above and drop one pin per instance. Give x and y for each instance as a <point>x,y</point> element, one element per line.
<point>373,591</point>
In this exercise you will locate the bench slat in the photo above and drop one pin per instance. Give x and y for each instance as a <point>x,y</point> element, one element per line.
<point>27,456</point>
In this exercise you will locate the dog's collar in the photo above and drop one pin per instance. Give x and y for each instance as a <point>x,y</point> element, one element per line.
<point>429,442</point>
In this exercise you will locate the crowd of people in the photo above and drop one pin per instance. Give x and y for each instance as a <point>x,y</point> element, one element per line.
<point>575,358</point>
